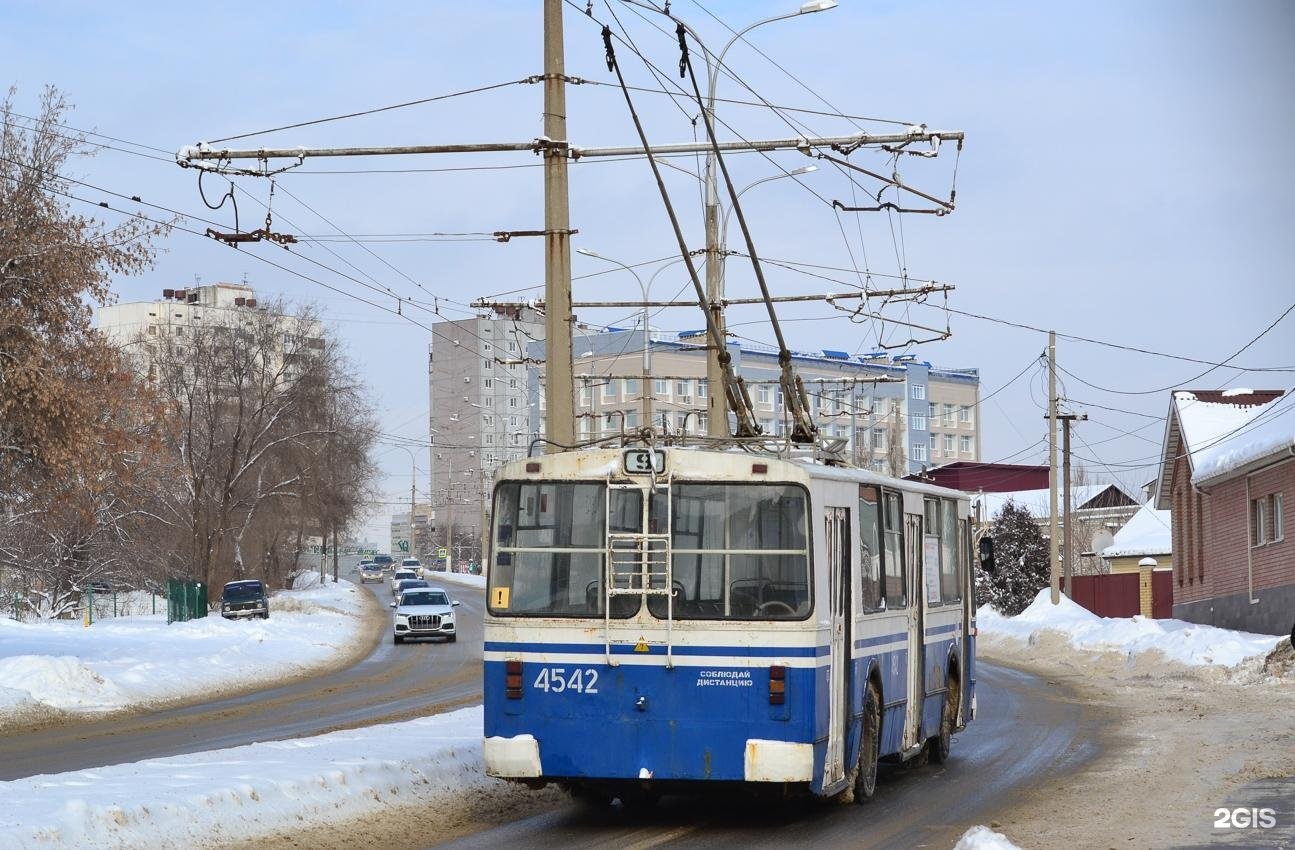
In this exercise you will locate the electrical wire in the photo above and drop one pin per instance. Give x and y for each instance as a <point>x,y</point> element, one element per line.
<point>377,109</point>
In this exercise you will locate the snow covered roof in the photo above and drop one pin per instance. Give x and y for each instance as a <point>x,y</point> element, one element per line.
<point>1036,501</point>
<point>1223,431</point>
<point>1268,433</point>
<point>1147,533</point>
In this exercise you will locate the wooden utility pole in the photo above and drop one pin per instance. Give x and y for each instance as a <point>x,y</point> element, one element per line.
<point>1066,554</point>
<point>1053,559</point>
<point>560,413</point>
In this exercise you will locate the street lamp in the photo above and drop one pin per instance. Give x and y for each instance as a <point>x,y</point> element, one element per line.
<point>645,399</point>
<point>718,422</point>
<point>723,231</point>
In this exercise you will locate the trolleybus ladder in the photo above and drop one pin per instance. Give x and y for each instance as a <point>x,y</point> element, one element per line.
<point>638,564</point>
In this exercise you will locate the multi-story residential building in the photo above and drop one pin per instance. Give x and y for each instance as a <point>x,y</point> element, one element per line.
<point>896,415</point>
<point>181,313</point>
<point>480,408</point>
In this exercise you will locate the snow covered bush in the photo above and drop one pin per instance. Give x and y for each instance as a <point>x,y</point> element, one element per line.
<point>1020,562</point>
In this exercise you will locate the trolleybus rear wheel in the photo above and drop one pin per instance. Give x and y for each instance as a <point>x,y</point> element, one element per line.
<point>940,744</point>
<point>865,783</point>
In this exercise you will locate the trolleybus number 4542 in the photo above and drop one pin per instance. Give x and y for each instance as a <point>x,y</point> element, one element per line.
<point>555,680</point>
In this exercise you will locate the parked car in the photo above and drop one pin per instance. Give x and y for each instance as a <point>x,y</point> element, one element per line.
<point>370,572</point>
<point>408,584</point>
<point>384,561</point>
<point>424,612</point>
<point>248,598</point>
<point>399,576</point>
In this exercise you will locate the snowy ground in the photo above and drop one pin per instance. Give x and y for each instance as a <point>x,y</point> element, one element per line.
<point>225,796</point>
<point>1186,643</point>
<point>61,667</point>
<point>1195,719</point>
<point>457,578</point>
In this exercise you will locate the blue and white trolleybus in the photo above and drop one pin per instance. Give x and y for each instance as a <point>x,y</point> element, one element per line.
<point>662,618</point>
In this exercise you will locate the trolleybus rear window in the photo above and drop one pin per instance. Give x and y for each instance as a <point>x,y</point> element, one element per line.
<point>550,540</point>
<point>741,552</point>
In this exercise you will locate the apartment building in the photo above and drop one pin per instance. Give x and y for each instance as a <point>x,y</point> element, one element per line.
<point>182,313</point>
<point>896,415</point>
<point>480,406</point>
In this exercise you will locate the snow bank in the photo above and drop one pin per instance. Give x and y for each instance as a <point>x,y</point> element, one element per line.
<point>125,662</point>
<point>219,797</point>
<point>984,838</point>
<point>458,578</point>
<point>1186,643</point>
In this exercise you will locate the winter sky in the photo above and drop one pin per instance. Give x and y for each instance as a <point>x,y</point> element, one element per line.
<point>1125,178</point>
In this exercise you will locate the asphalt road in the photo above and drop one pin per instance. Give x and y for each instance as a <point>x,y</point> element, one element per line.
<point>391,683</point>
<point>1028,735</point>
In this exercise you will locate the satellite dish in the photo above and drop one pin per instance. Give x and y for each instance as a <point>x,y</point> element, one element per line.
<point>1101,540</point>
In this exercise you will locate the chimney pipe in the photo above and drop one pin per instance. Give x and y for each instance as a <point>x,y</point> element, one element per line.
<point>168,293</point>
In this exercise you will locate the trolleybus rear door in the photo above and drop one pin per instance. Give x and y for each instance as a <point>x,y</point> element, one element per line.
<point>838,566</point>
<point>916,624</point>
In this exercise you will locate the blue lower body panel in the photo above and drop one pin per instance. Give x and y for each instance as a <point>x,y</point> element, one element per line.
<point>634,721</point>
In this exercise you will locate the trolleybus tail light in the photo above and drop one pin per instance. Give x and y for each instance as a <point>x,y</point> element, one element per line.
<point>759,468</point>
<point>533,466</point>
<point>777,685</point>
<point>513,679</point>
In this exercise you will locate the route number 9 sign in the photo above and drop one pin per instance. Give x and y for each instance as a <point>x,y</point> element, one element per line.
<point>645,461</point>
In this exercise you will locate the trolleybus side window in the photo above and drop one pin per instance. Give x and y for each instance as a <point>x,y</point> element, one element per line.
<point>869,549</point>
<point>949,552</point>
<point>942,524</point>
<point>549,550</point>
<point>740,552</point>
<point>893,551</point>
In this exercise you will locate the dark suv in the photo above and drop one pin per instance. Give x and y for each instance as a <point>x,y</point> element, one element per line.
<point>247,598</point>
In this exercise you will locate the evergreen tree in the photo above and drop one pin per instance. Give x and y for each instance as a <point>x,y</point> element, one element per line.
<point>1020,562</point>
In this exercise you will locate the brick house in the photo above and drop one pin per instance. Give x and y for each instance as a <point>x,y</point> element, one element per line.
<point>1227,472</point>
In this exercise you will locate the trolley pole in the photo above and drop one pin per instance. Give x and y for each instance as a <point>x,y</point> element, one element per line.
<point>1053,558</point>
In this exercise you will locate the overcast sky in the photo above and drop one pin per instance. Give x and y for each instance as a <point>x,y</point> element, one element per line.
<point>1126,178</point>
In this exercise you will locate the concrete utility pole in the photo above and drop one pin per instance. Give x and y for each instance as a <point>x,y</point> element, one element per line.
<point>556,149</point>
<point>561,424</point>
<point>1052,469</point>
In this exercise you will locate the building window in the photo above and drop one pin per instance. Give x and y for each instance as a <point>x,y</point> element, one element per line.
<point>486,363</point>
<point>919,391</point>
<point>763,394</point>
<point>701,388</point>
<point>512,383</point>
<point>966,445</point>
<point>948,416</point>
<point>681,387</point>
<point>631,419</point>
<point>490,401</point>
<point>964,415</point>
<point>662,387</point>
<point>934,413</point>
<point>631,388</point>
<point>949,446</point>
<point>935,446</point>
<point>919,423</point>
<point>512,347</point>
<point>878,439</point>
<point>609,391</point>
<point>488,421</point>
<point>490,439</point>
<point>584,395</point>
<point>703,422</point>
<point>490,383</point>
<point>512,402</point>
<point>1267,524</point>
<point>1257,522</point>
<point>919,452</point>
<point>485,346</point>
